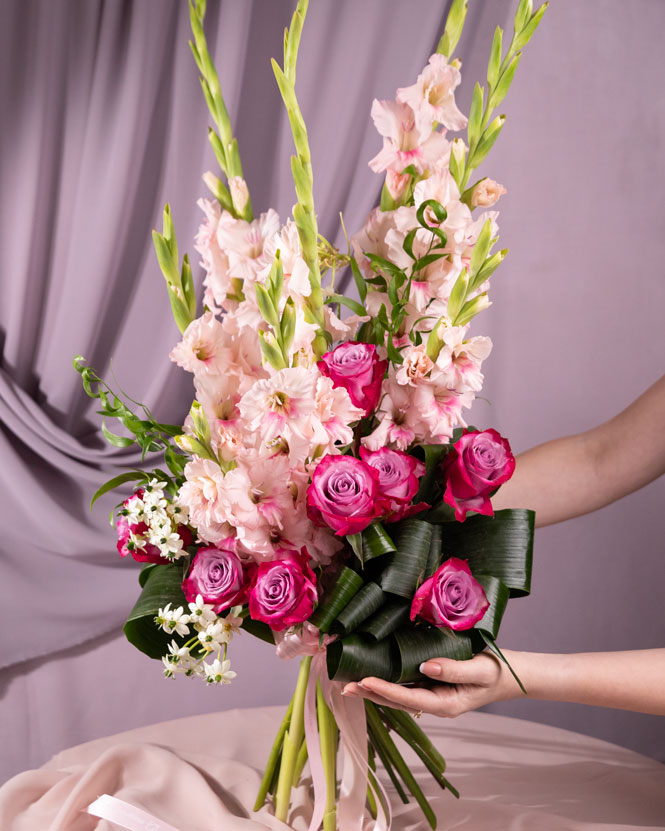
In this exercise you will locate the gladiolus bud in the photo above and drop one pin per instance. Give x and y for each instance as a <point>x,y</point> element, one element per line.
<point>239,193</point>
<point>397,183</point>
<point>486,193</point>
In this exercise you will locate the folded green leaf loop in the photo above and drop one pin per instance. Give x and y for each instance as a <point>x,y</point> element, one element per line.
<point>362,605</point>
<point>347,585</point>
<point>501,546</point>
<point>416,644</point>
<point>406,567</point>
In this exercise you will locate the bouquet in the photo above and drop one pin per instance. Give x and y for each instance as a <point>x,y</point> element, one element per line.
<point>325,493</point>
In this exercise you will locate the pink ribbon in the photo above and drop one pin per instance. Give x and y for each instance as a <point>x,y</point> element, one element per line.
<point>125,815</point>
<point>349,714</point>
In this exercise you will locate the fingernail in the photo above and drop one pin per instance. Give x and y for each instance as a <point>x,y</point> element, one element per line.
<point>360,683</point>
<point>430,668</point>
<point>349,692</point>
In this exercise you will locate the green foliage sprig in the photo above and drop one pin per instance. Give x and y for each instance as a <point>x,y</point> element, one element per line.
<point>150,435</point>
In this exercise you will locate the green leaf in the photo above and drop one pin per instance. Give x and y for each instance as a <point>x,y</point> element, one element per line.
<point>162,586</point>
<point>417,644</point>
<point>355,657</point>
<point>435,208</point>
<point>487,269</point>
<point>497,593</point>
<point>359,280</point>
<point>145,573</point>
<point>434,556</point>
<point>112,484</point>
<point>380,733</point>
<point>115,440</point>
<point>346,586</point>
<point>355,307</point>
<point>430,484</point>
<point>392,615</point>
<point>380,264</point>
<point>407,245</point>
<point>501,546</point>
<point>362,606</point>
<point>376,541</point>
<point>270,351</point>
<point>404,569</point>
<point>428,259</point>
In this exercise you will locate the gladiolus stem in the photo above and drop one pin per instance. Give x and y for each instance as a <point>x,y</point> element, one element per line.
<point>292,741</point>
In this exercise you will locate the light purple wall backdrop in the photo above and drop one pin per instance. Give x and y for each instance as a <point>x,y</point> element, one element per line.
<point>576,321</point>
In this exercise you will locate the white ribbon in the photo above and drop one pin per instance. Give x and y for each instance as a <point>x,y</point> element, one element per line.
<point>125,815</point>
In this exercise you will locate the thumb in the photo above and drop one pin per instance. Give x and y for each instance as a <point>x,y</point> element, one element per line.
<point>473,671</point>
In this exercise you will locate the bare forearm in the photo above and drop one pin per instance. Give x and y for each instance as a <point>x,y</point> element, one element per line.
<point>577,474</point>
<point>633,680</point>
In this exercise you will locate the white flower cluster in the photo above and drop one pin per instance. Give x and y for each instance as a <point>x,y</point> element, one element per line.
<point>149,522</point>
<point>211,637</point>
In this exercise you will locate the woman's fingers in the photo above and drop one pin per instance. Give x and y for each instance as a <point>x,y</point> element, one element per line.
<point>407,698</point>
<point>481,670</point>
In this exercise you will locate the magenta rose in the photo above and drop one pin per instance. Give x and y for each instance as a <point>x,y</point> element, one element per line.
<point>283,592</point>
<point>345,495</point>
<point>399,479</point>
<point>451,597</point>
<point>357,368</point>
<point>217,574</point>
<point>475,467</point>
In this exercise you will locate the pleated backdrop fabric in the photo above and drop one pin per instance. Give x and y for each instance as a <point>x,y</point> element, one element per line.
<point>103,122</point>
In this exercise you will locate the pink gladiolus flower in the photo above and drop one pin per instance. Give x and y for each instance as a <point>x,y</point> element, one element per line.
<point>283,592</point>
<point>356,367</point>
<point>433,94</point>
<point>451,597</point>
<point>475,467</point>
<point>408,139</point>
<point>217,574</point>
<point>344,494</point>
<point>203,349</point>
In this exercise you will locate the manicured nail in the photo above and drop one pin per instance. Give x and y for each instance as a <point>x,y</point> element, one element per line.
<point>360,684</point>
<point>430,668</point>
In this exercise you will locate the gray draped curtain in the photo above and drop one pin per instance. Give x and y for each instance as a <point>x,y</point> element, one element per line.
<point>102,121</point>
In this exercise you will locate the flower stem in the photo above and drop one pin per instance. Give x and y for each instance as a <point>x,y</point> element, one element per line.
<point>292,741</point>
<point>328,734</point>
<point>300,762</point>
<point>273,759</point>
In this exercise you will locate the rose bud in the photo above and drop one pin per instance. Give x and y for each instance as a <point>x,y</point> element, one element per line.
<point>451,597</point>
<point>399,479</point>
<point>473,469</point>
<point>344,495</point>
<point>357,368</point>
<point>217,574</point>
<point>283,592</point>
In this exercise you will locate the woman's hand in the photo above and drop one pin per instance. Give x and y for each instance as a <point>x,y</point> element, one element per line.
<point>458,686</point>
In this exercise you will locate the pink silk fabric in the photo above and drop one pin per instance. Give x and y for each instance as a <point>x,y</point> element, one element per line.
<point>202,774</point>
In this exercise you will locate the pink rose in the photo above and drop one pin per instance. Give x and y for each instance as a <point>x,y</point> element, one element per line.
<point>451,597</point>
<point>217,574</point>
<point>344,494</point>
<point>475,467</point>
<point>357,368</point>
<point>399,479</point>
<point>283,592</point>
